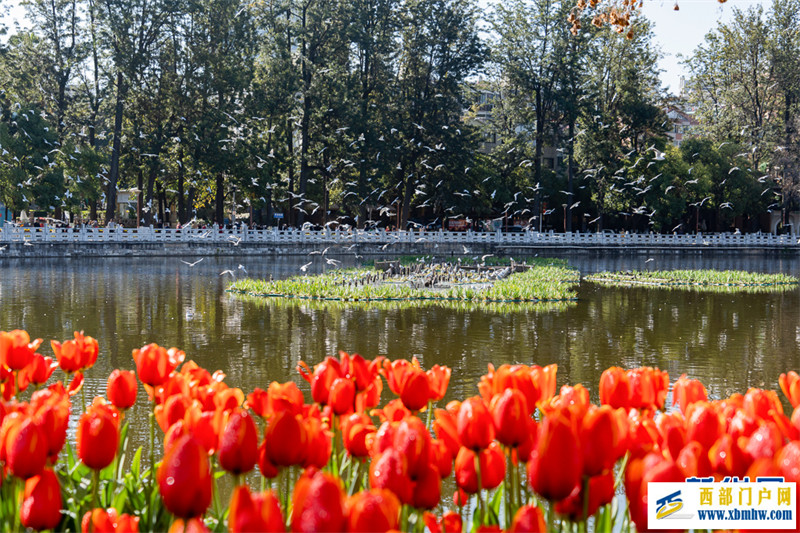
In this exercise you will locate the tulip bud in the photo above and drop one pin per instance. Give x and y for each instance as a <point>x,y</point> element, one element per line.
<point>184,478</point>
<point>238,444</point>
<point>121,388</point>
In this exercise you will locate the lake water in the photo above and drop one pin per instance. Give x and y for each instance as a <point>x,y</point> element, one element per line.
<point>730,342</point>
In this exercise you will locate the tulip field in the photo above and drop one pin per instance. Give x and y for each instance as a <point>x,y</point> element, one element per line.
<point>363,445</point>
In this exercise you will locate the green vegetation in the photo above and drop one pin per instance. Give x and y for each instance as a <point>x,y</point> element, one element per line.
<point>385,305</point>
<point>434,283</point>
<point>725,280</point>
<point>350,112</point>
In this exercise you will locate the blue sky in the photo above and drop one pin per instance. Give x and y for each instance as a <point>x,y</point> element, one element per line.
<point>676,32</point>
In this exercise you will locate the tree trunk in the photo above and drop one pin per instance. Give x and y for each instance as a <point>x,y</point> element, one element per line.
<point>113,174</point>
<point>139,196</point>
<point>151,181</point>
<point>290,170</point>
<point>182,218</point>
<point>219,214</point>
<point>537,158</point>
<point>570,154</point>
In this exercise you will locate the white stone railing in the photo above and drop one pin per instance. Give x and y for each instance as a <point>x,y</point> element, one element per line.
<point>295,236</point>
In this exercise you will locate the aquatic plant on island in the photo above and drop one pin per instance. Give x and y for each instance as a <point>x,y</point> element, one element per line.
<point>523,455</point>
<point>697,279</point>
<point>441,282</point>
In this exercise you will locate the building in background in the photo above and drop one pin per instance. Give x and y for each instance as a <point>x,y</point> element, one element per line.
<point>683,123</point>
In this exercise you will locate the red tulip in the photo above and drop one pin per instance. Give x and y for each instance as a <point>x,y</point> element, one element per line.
<point>51,407</point>
<point>449,523</point>
<point>320,441</point>
<point>372,510</point>
<point>257,513</point>
<point>442,457</point>
<point>687,391</point>
<point>193,525</point>
<point>267,469</point>
<point>427,488</point>
<point>556,464</point>
<point>474,424</point>
<point>121,388</point>
<point>286,440</point>
<point>446,430</point>
<point>693,460</point>
<point>41,506</point>
<point>98,435</point>
<point>277,398</point>
<point>760,403</point>
<point>788,461</point>
<point>493,469</point>
<point>318,504</point>
<point>16,349</point>
<point>323,376</point>
<point>528,519</point>
<point>76,355</point>
<point>600,435</point>
<point>614,388</point>
<point>39,370</point>
<point>704,424</point>
<point>601,492</point>
<point>341,396</point>
<point>184,478</point>
<point>790,385</point>
<point>106,521</point>
<point>510,416</point>
<point>238,444</point>
<point>640,471</point>
<point>154,363</point>
<point>413,441</point>
<point>25,446</point>
<point>390,471</point>
<point>409,381</point>
<point>355,430</point>
<point>438,380</point>
<point>728,458</point>
<point>537,384</point>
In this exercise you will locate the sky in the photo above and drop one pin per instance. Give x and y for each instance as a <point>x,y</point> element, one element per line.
<point>680,32</point>
<point>677,33</point>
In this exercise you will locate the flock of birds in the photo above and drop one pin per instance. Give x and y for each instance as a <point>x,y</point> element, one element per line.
<point>381,200</point>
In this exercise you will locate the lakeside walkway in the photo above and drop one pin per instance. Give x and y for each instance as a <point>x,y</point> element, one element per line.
<point>274,237</point>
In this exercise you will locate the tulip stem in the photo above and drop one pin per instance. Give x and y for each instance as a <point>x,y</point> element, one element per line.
<point>215,493</point>
<point>509,486</point>
<point>355,478</point>
<point>335,453</point>
<point>95,488</point>
<point>480,486</point>
<point>586,503</point>
<point>430,413</point>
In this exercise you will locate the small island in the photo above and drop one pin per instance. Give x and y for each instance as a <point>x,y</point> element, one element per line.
<point>717,280</point>
<point>421,279</point>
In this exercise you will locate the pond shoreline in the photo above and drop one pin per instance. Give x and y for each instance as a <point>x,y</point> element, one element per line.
<point>209,249</point>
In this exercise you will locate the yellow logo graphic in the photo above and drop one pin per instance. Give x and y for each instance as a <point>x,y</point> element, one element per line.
<point>668,505</point>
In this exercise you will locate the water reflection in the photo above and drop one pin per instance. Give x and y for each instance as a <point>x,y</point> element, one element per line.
<point>730,342</point>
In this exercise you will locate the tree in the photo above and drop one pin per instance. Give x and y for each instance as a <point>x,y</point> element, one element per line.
<point>132,31</point>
